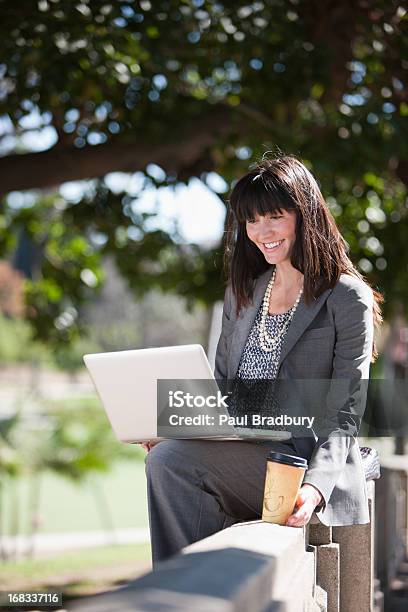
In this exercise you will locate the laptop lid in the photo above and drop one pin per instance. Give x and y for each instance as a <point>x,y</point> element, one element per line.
<point>126,382</point>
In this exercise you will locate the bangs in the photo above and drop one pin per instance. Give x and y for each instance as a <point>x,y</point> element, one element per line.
<point>254,195</point>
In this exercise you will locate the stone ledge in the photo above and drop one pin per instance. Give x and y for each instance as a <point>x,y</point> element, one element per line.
<point>249,566</point>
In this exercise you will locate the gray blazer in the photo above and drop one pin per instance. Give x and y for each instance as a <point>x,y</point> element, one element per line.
<point>330,339</point>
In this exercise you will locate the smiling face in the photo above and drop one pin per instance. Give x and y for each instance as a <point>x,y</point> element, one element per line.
<point>274,234</point>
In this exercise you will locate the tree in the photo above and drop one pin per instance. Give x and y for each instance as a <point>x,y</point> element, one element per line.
<point>195,87</point>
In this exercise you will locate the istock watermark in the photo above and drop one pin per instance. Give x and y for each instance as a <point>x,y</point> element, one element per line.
<point>301,407</point>
<point>180,399</point>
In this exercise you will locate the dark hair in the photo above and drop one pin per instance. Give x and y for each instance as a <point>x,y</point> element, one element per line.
<point>319,252</point>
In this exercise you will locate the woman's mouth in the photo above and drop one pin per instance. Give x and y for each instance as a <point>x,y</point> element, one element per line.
<point>272,246</point>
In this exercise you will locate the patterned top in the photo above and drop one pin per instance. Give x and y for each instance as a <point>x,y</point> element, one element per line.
<point>255,362</point>
<point>253,391</point>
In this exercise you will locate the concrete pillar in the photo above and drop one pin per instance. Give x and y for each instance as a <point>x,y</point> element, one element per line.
<point>383,504</point>
<point>319,534</point>
<point>357,562</point>
<point>392,522</point>
<point>328,574</point>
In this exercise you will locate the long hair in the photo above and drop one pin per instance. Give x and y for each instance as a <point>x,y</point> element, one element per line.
<point>319,251</point>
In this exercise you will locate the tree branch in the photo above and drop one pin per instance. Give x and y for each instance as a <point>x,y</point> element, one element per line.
<point>50,168</point>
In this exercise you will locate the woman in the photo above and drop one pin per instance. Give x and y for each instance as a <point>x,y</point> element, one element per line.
<point>294,308</point>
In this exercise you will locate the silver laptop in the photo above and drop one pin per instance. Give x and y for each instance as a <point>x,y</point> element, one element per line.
<point>127,385</point>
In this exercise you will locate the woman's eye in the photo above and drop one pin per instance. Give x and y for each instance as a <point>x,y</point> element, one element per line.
<point>250,220</point>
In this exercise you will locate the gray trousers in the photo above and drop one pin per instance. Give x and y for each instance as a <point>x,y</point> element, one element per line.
<point>198,487</point>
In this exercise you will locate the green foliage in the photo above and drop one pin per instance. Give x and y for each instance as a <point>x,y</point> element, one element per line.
<point>195,87</point>
<point>72,441</point>
<point>17,344</point>
<point>69,357</point>
<point>11,463</point>
<point>80,442</point>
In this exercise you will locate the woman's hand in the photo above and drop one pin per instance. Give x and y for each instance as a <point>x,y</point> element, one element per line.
<point>308,498</point>
<point>148,445</point>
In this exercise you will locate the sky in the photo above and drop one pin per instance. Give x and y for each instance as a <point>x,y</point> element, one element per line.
<point>196,210</point>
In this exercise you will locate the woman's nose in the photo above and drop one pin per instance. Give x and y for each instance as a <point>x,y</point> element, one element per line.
<point>266,234</point>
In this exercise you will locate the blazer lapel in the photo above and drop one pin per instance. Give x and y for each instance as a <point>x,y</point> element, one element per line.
<point>303,316</point>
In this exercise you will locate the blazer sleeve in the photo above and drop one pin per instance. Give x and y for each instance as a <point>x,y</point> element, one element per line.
<point>221,369</point>
<point>351,303</point>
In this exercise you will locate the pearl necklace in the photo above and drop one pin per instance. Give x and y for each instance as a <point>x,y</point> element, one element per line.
<point>268,342</point>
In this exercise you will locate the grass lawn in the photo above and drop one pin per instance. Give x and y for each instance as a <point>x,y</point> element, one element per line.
<point>116,499</point>
<point>78,573</point>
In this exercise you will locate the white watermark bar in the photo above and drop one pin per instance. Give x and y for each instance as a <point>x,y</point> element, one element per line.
<point>294,408</point>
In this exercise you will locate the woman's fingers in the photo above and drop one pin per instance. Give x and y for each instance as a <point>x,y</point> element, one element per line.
<point>300,521</point>
<point>145,445</point>
<point>153,443</point>
<point>301,516</point>
<point>148,445</point>
<point>307,500</point>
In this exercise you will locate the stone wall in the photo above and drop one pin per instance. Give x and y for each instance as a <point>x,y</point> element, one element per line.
<point>259,567</point>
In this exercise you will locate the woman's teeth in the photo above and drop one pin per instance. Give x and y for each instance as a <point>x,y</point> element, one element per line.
<point>272,245</point>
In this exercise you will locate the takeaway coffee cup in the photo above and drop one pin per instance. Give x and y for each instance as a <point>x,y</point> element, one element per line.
<point>284,476</point>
